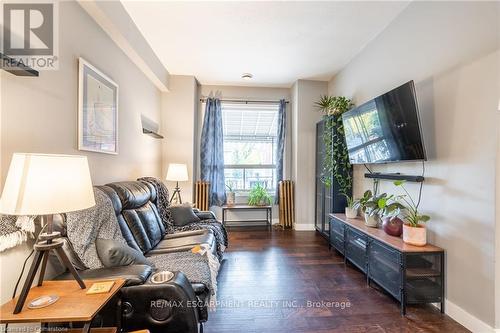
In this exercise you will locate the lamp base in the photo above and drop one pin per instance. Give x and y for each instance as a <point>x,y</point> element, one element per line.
<point>49,242</point>
<point>177,194</point>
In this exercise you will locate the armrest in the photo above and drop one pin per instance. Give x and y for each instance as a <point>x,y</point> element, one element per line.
<point>171,306</point>
<point>133,274</point>
<point>205,215</point>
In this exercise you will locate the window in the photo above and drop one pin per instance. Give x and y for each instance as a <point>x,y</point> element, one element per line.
<point>249,145</point>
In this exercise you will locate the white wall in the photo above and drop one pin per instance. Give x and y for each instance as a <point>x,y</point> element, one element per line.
<point>114,19</point>
<point>40,114</point>
<point>248,93</point>
<point>179,112</point>
<point>448,49</point>
<point>305,116</point>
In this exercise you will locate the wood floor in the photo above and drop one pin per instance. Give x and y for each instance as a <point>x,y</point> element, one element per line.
<point>268,277</point>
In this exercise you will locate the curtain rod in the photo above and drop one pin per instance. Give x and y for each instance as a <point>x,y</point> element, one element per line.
<point>203,100</point>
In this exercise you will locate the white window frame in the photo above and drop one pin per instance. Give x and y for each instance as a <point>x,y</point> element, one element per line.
<point>245,167</point>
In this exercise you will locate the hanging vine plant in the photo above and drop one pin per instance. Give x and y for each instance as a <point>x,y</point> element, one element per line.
<point>336,164</point>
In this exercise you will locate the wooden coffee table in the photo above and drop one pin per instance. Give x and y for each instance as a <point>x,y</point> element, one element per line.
<point>73,305</point>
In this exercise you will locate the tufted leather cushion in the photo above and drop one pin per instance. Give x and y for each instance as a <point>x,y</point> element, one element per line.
<point>140,218</point>
<point>117,205</point>
<point>133,194</point>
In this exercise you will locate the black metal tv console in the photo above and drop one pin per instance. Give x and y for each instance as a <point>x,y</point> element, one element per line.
<point>411,274</point>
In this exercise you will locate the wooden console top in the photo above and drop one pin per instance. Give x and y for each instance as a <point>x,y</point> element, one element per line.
<point>380,235</point>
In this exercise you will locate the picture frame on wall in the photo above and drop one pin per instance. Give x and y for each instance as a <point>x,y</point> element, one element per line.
<point>97,110</point>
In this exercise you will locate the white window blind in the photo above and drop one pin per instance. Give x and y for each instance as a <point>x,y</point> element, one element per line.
<point>249,144</point>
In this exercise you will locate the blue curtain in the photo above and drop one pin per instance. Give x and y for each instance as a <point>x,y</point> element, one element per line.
<point>212,152</point>
<point>280,146</point>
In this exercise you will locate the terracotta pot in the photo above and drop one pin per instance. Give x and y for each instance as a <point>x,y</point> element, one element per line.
<point>393,226</point>
<point>415,236</point>
<point>230,198</point>
<point>372,221</point>
<point>351,213</point>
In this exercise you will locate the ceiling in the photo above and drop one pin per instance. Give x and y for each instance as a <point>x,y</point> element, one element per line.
<point>278,42</point>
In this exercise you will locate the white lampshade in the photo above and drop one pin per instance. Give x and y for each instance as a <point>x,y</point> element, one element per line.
<point>177,172</point>
<point>42,184</point>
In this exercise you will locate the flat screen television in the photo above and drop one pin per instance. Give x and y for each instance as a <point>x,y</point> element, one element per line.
<point>385,129</point>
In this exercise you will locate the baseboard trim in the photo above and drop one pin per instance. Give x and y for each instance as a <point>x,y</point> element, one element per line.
<point>304,227</point>
<point>466,319</point>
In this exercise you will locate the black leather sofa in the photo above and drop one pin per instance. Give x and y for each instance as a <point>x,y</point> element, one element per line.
<point>141,303</point>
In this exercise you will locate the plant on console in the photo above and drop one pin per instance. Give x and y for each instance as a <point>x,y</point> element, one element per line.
<point>414,232</point>
<point>336,164</point>
<point>379,206</point>
<point>230,195</point>
<point>258,196</point>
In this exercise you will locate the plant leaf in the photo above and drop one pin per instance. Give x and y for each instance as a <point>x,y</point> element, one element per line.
<point>424,218</point>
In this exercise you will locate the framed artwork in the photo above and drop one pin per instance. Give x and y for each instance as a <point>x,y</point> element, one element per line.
<point>97,110</point>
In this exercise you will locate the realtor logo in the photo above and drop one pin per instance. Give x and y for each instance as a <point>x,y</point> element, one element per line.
<point>29,33</point>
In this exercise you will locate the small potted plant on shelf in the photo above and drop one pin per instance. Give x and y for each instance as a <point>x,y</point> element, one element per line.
<point>258,196</point>
<point>414,232</point>
<point>351,211</point>
<point>230,195</point>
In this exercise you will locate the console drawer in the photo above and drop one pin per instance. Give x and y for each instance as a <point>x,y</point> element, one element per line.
<point>337,226</point>
<point>337,242</point>
<point>355,248</point>
<point>337,235</point>
<point>384,267</point>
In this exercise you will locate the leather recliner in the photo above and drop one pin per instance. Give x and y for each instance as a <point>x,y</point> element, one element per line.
<point>143,230</point>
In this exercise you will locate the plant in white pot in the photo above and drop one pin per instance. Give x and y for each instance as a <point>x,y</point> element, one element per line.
<point>379,206</point>
<point>414,231</point>
<point>230,195</point>
<point>351,211</point>
<point>367,205</point>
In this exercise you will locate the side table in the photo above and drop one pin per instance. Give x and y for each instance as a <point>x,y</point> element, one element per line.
<point>73,305</point>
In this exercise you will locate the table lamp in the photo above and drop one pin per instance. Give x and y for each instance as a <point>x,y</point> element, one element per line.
<point>177,173</point>
<point>43,184</point>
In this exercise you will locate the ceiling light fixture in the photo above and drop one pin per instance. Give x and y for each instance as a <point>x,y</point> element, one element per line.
<point>246,76</point>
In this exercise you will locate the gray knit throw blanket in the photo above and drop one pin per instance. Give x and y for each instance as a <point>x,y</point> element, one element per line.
<point>163,204</point>
<point>197,268</point>
<point>14,230</point>
<point>85,226</point>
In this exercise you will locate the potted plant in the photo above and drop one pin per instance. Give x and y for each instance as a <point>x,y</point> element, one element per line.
<point>379,206</point>
<point>361,202</point>
<point>364,203</point>
<point>336,166</point>
<point>230,195</point>
<point>414,232</point>
<point>258,196</point>
<point>351,211</point>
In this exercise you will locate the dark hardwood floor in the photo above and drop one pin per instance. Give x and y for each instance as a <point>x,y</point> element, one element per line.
<point>268,278</point>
